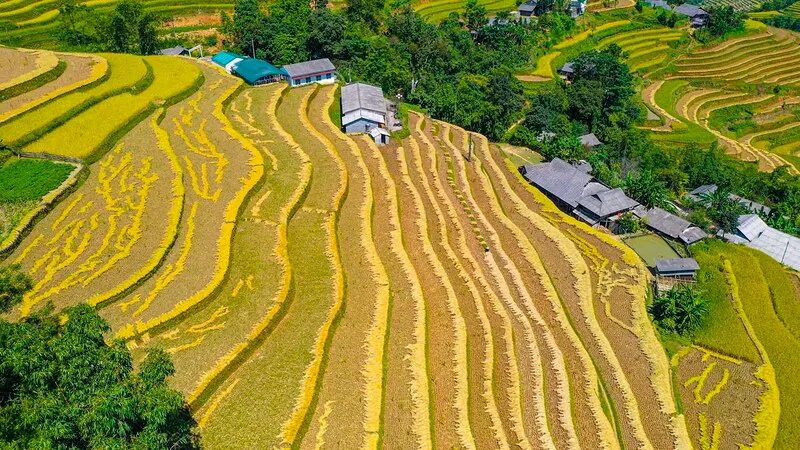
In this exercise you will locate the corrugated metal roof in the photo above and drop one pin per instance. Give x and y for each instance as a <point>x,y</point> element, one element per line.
<point>567,68</point>
<point>751,226</point>
<point>559,179</point>
<point>223,58</point>
<point>253,70</point>
<point>317,66</point>
<point>692,235</point>
<point>676,265</point>
<point>782,247</point>
<point>363,96</point>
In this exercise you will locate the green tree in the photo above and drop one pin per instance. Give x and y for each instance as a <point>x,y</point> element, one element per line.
<point>147,31</point>
<point>629,223</point>
<point>681,310</point>
<point>63,387</point>
<point>13,286</point>
<point>647,190</point>
<point>246,28</point>
<point>474,15</point>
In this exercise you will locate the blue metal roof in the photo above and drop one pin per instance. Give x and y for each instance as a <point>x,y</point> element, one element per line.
<point>253,70</point>
<point>224,58</point>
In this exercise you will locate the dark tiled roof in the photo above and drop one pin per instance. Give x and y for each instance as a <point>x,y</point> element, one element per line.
<point>666,223</point>
<point>302,69</point>
<point>607,203</point>
<point>677,265</point>
<point>559,179</point>
<point>174,51</point>
<point>567,68</point>
<point>690,10</point>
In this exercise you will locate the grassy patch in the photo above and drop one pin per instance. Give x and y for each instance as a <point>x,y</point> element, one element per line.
<point>29,179</point>
<point>723,331</point>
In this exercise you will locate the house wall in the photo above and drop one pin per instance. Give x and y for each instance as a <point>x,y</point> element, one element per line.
<point>360,126</point>
<point>327,78</point>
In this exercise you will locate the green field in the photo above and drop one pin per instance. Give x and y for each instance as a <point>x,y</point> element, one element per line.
<point>651,247</point>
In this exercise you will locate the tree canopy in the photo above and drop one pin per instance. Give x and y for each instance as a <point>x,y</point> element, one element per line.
<point>63,386</point>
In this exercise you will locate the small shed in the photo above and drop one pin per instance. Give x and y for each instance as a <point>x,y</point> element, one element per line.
<point>528,8</point>
<point>590,140</point>
<point>379,135</point>
<point>677,268</point>
<point>175,51</point>
<point>316,71</point>
<point>256,72</point>
<point>698,17</point>
<point>363,108</point>
<point>227,60</point>
<point>566,71</point>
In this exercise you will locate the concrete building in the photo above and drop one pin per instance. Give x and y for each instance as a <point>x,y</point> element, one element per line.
<point>317,71</point>
<point>363,108</point>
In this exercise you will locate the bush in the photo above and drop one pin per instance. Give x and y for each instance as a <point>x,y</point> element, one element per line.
<point>64,387</point>
<point>682,310</point>
<point>629,223</point>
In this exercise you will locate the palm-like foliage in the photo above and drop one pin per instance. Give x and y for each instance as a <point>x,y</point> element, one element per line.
<point>682,310</point>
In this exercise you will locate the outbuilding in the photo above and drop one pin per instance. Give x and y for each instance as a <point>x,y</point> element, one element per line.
<point>566,71</point>
<point>256,72</point>
<point>528,8</point>
<point>677,267</point>
<point>380,135</point>
<point>317,71</point>
<point>363,108</point>
<point>175,51</point>
<point>590,140</point>
<point>698,17</point>
<point>227,60</point>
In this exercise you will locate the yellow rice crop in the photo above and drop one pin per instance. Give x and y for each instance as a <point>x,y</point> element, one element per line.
<point>769,409</point>
<point>281,251</point>
<point>87,131</point>
<point>256,164</point>
<point>514,391</point>
<point>99,70</point>
<point>126,70</point>
<point>376,335</point>
<point>291,427</point>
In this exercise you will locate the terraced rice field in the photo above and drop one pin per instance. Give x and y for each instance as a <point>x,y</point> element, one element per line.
<point>645,49</point>
<point>738,5</point>
<point>793,10</point>
<point>31,23</point>
<point>707,83</point>
<point>438,10</point>
<point>315,290</point>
